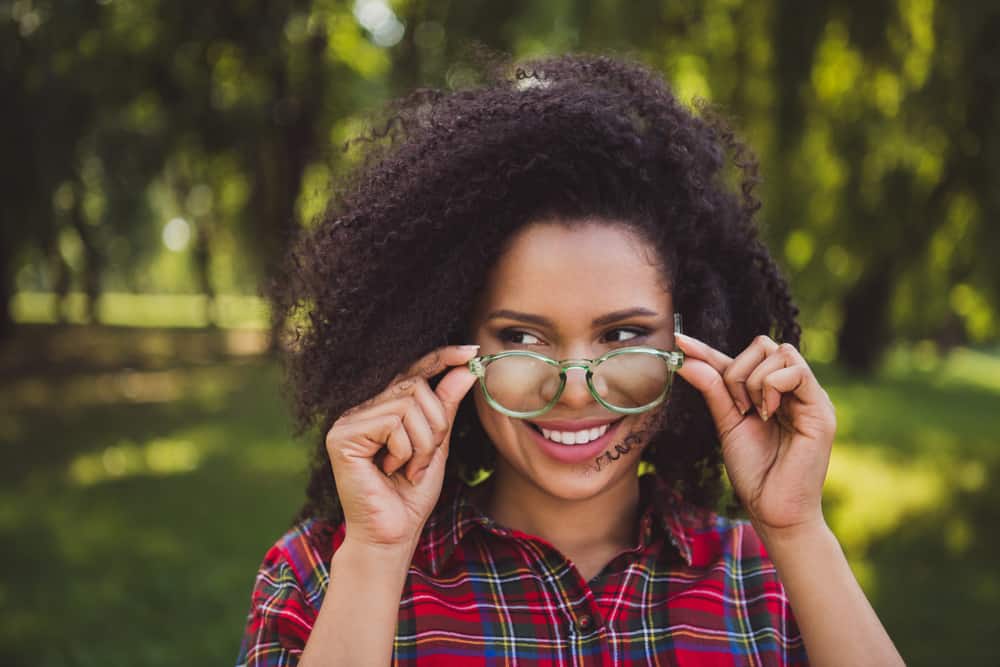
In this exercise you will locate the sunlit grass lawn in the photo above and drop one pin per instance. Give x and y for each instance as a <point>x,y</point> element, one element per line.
<point>138,503</point>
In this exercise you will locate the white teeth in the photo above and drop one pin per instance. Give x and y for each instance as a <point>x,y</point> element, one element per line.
<point>575,437</point>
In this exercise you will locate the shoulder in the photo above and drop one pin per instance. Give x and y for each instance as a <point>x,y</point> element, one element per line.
<point>287,593</point>
<point>304,552</point>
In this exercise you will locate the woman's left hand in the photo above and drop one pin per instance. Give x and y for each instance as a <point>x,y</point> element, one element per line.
<point>776,425</point>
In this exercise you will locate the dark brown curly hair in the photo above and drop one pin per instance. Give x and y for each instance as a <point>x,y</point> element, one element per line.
<point>391,269</point>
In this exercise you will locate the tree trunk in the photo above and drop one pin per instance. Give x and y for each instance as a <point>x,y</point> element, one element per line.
<point>61,276</point>
<point>203,266</point>
<point>864,334</point>
<point>93,260</point>
<point>6,292</point>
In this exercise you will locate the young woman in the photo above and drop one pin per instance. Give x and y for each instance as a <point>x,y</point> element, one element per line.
<point>499,291</point>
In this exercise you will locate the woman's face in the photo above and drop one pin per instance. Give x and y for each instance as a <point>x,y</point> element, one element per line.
<point>572,292</point>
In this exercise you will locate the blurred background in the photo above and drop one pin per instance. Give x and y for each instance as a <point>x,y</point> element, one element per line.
<point>154,156</point>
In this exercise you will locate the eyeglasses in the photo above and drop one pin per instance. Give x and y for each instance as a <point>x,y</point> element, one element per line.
<point>628,380</point>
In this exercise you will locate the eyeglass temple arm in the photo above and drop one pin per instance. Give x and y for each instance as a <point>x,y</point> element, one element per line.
<point>677,356</point>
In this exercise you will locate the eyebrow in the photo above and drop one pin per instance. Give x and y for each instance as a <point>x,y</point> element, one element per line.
<point>546,322</point>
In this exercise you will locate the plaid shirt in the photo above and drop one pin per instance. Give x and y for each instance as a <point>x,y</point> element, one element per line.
<point>697,589</point>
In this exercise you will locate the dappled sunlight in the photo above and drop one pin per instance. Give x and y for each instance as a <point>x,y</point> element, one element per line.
<point>969,367</point>
<point>870,493</point>
<point>157,458</point>
<point>688,76</point>
<point>873,493</point>
<point>837,66</point>
<point>208,386</point>
<point>145,310</point>
<point>264,457</point>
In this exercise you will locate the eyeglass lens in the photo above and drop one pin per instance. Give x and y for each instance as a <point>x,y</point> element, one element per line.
<point>627,380</point>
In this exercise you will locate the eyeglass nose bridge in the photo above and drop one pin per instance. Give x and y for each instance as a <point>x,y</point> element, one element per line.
<point>582,364</point>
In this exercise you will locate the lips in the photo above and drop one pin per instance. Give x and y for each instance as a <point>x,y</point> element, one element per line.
<point>574,453</point>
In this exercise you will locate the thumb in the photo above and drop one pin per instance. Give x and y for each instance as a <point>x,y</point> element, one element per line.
<point>452,389</point>
<point>703,377</point>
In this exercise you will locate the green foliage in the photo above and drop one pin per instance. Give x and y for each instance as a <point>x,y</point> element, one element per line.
<point>874,122</point>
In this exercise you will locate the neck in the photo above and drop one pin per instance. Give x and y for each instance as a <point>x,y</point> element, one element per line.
<point>604,521</point>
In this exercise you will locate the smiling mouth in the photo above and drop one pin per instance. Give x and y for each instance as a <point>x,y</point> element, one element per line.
<point>579,437</point>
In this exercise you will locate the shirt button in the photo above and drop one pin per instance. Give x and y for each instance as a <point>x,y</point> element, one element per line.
<point>584,622</point>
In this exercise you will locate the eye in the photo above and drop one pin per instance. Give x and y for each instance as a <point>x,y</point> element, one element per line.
<point>623,335</point>
<point>517,337</point>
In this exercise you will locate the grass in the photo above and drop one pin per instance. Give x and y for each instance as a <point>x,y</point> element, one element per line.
<point>147,471</point>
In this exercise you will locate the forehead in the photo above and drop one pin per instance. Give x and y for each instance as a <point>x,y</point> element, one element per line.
<point>585,269</point>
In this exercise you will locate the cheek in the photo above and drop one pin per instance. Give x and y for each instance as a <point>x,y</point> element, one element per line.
<point>632,439</point>
<point>645,427</point>
<point>497,426</point>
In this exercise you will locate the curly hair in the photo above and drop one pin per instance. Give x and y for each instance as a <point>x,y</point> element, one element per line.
<point>391,269</point>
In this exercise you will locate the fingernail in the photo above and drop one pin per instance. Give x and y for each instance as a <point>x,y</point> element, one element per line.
<point>468,348</point>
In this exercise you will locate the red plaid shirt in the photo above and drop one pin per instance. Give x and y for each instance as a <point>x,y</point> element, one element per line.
<point>697,589</point>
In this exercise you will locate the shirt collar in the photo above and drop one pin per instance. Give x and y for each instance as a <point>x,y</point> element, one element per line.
<point>661,507</point>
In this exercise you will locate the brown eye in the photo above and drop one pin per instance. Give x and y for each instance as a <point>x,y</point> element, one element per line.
<point>516,337</point>
<point>625,335</point>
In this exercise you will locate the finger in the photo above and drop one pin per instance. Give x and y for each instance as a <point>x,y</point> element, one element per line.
<point>743,365</point>
<point>360,439</point>
<point>755,385</point>
<point>393,406</point>
<point>782,356</point>
<point>421,439</point>
<point>759,358</point>
<point>706,379</point>
<point>452,389</point>
<point>400,450</point>
<point>701,350</point>
<point>435,469</point>
<point>398,388</point>
<point>438,360</point>
<point>434,411</point>
<point>797,380</point>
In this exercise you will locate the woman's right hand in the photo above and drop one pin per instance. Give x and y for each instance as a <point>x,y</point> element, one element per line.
<point>386,503</point>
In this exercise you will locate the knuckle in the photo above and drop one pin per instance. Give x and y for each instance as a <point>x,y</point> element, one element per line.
<point>729,375</point>
<point>331,440</point>
<point>439,427</point>
<point>431,363</point>
<point>335,452</point>
<point>787,349</point>
<point>402,387</point>
<point>360,407</point>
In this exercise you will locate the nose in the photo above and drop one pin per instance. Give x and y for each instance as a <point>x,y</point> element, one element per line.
<point>576,394</point>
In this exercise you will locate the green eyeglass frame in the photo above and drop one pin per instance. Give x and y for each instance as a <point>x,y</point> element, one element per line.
<point>673,358</point>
